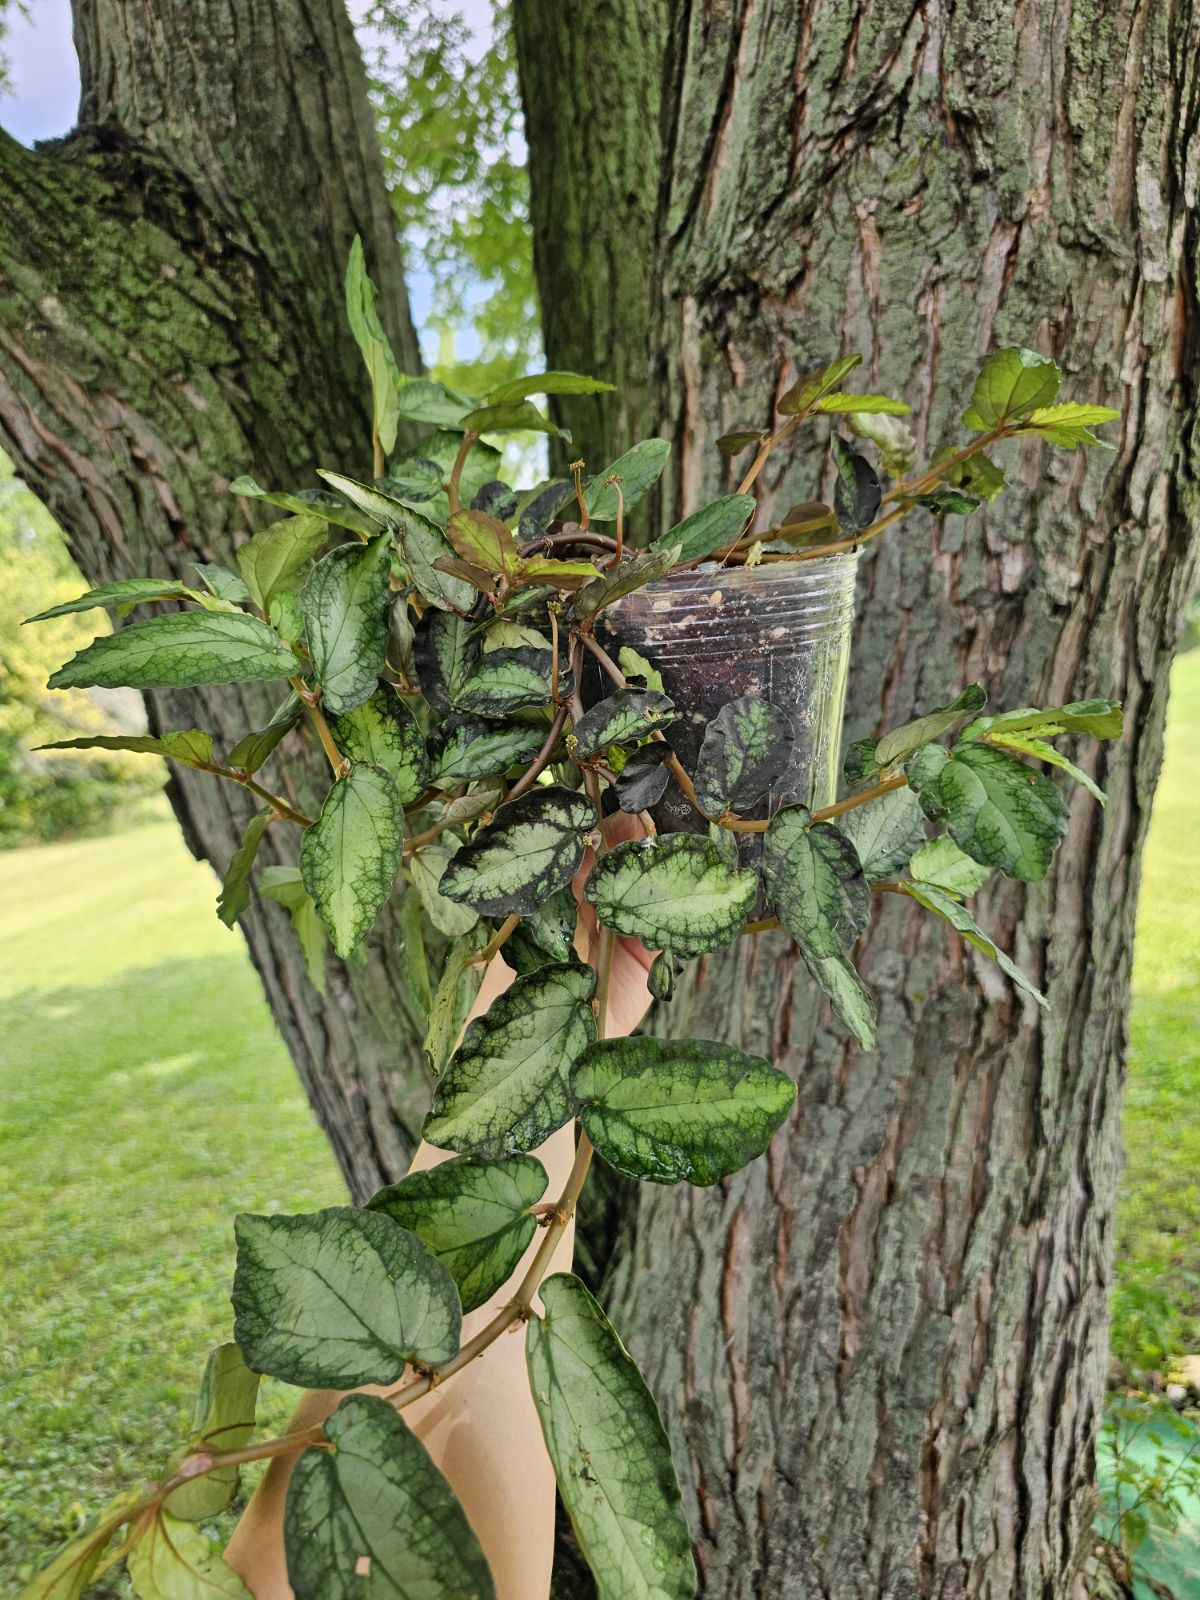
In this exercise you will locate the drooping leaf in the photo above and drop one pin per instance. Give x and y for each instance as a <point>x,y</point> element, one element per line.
<point>679,1110</point>
<point>446,650</point>
<point>180,651</point>
<point>190,747</point>
<point>235,885</point>
<point>414,959</point>
<point>626,714</point>
<point>532,846</point>
<point>941,863</point>
<point>710,529</point>
<point>514,416</point>
<point>950,910</point>
<point>221,582</point>
<point>344,603</point>
<point>427,866</point>
<point>840,403</point>
<point>1011,384</point>
<point>635,573</point>
<point>948,502</point>
<point>805,393</point>
<point>128,592</point>
<point>671,891</point>
<point>885,832</point>
<point>507,1086</point>
<point>285,887</point>
<point>69,1574</point>
<point>611,1455</point>
<point>274,560</point>
<point>475,1216</point>
<point>350,856</point>
<point>732,444</point>
<point>747,752</point>
<point>897,744</point>
<point>470,749</point>
<point>383,732</point>
<point>1070,425</point>
<point>1102,719</point>
<point>638,469</point>
<point>386,377</point>
<point>454,996</point>
<point>310,502</point>
<point>848,994</point>
<point>172,1560</point>
<point>856,491</point>
<point>339,1297</point>
<point>1022,745</point>
<point>817,882</point>
<point>224,1421</point>
<point>374,1519</point>
<point>484,541</point>
<point>253,749</point>
<point>547,383</point>
<point>1000,811</point>
<point>642,781</point>
<point>504,681</point>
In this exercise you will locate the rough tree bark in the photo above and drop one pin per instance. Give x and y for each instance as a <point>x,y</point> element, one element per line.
<point>171,314</point>
<point>882,1349</point>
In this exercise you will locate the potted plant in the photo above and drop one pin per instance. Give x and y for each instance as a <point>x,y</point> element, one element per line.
<point>492,675</point>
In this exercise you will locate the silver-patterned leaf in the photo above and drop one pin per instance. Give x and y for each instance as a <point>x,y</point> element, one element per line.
<point>382,732</point>
<point>817,882</point>
<point>344,603</point>
<point>745,757</point>
<point>626,714</point>
<point>350,856</point>
<point>671,891</point>
<point>531,847</point>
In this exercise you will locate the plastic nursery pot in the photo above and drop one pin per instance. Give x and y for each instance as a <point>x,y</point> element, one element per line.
<point>779,631</point>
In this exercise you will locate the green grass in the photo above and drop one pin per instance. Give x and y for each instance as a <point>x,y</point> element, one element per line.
<point>147,1097</point>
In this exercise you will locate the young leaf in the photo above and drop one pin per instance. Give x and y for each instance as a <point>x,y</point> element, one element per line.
<point>552,925</point>
<point>180,651</point>
<point>1102,719</point>
<point>172,1560</point>
<point>626,714</point>
<point>350,856</point>
<point>848,994</point>
<point>427,867</point>
<point>507,1087</point>
<point>885,832</point>
<point>948,502</point>
<point>191,747</point>
<point>423,400</point>
<point>469,749</point>
<point>531,847</point>
<point>221,582</point>
<point>249,753</point>
<point>842,403</point>
<point>1071,424</point>
<point>284,886</point>
<point>309,503</point>
<point>611,1455</point>
<point>817,882</point>
<point>1000,811</point>
<point>71,1571</point>
<point>660,980</point>
<point>709,529</point>
<point>339,1297</point>
<point>520,416</point>
<point>475,1216</point>
<point>679,1110</point>
<point>555,573</point>
<point>484,541</point>
<point>891,436</point>
<point>235,886</point>
<point>642,781</point>
<point>639,570</point>
<point>747,751</point>
<point>1011,384</point>
<point>383,732</point>
<point>374,1519</point>
<point>128,592</point>
<point>638,469</point>
<point>856,492</point>
<point>344,603</point>
<point>949,910</point>
<point>804,394</point>
<point>454,997</point>
<point>732,444</point>
<point>671,891</point>
<point>547,383</point>
<point>897,744</point>
<point>224,1421</point>
<point>386,377</point>
<point>505,681</point>
<point>941,863</point>
<point>273,560</point>
<point>638,670</point>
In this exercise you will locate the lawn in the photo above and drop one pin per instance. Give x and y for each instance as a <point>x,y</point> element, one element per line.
<point>147,1098</point>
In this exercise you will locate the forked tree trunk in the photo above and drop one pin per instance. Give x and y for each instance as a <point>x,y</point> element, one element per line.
<point>882,1349</point>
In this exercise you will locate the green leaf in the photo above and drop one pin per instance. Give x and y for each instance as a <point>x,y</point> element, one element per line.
<point>638,469</point>
<point>532,846</point>
<point>507,1087</point>
<point>520,416</point>
<point>339,1297</point>
<point>172,1560</point>
<point>454,996</point>
<point>552,925</point>
<point>385,374</point>
<point>224,1421</point>
<point>350,856</point>
<point>885,832</point>
<point>285,887</point>
<point>379,508</point>
<point>611,1455</point>
<point>626,714</point>
<point>948,502</point>
<point>505,681</point>
<point>1011,385</point>
<point>900,742</point>
<point>732,444</point>
<point>423,400</point>
<point>71,1571</point>
<point>414,960</point>
<point>848,994</point>
<point>671,891</point>
<point>856,492</point>
<point>469,749</point>
<point>1041,751</point>
<point>709,529</point>
<point>547,383</point>
<point>817,882</point>
<point>191,747</point>
<point>180,651</point>
<point>1070,424</point>
<point>284,616</point>
<point>949,910</point>
<point>427,867</point>
<point>635,573</point>
<point>221,582</point>
<point>235,886</point>
<point>941,863</point>
<point>272,562</point>
<point>383,732</point>
<point>344,602</point>
<point>636,667</point>
<point>804,394</point>
<point>483,540</point>
<point>374,1519</point>
<point>1102,719</point>
<point>129,592</point>
<point>679,1110</point>
<point>475,1216</point>
<point>249,753</point>
<point>555,572</point>
<point>660,980</point>
<point>310,503</point>
<point>1000,811</point>
<point>841,403</point>
<point>746,755</point>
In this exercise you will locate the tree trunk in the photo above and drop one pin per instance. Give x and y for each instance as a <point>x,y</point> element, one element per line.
<point>171,314</point>
<point>882,1349</point>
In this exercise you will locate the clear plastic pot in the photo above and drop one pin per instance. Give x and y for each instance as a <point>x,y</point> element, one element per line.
<point>780,630</point>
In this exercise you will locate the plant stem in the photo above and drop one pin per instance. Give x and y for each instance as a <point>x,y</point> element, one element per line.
<point>316,716</point>
<point>764,451</point>
<point>460,461</point>
<point>496,941</point>
<point>276,801</point>
<point>542,760</point>
<point>430,834</point>
<point>852,802</point>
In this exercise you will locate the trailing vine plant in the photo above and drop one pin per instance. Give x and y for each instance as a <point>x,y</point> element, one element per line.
<point>436,631</point>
